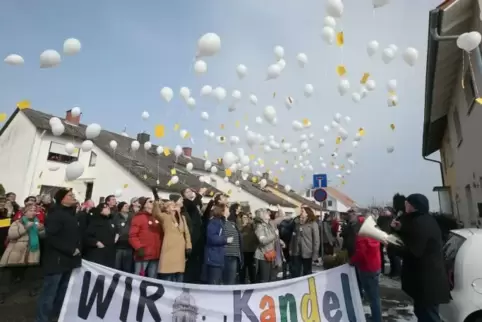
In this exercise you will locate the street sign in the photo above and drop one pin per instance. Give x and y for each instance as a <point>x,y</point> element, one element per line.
<point>320,195</point>
<point>320,181</point>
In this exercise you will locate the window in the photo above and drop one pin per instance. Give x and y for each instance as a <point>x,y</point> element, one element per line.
<point>458,128</point>
<point>57,153</point>
<point>450,250</point>
<point>330,203</point>
<point>93,159</point>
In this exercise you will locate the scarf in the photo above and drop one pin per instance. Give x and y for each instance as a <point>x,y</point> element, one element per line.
<point>33,239</point>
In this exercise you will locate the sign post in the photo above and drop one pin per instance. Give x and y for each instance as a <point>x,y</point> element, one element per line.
<point>320,195</point>
<point>320,180</point>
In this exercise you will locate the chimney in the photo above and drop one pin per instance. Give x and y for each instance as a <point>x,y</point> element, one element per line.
<point>143,138</point>
<point>187,151</point>
<point>71,119</point>
<point>265,175</point>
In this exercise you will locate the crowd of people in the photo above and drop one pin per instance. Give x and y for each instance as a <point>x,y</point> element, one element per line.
<point>182,240</point>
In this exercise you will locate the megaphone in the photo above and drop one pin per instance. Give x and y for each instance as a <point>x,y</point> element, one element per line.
<point>369,229</point>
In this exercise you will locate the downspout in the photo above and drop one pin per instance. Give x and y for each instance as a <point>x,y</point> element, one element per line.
<point>442,173</point>
<point>36,159</point>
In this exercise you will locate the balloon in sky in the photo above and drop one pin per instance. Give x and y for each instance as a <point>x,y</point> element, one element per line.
<point>308,90</point>
<point>191,102</point>
<point>356,97</point>
<point>189,167</point>
<point>329,21</point>
<point>334,8</point>
<point>236,94</point>
<point>387,55</point>
<point>206,90</point>
<point>279,52</point>
<point>390,149</point>
<point>241,70</point>
<point>185,92</point>
<point>49,58</point>
<point>392,85</point>
<point>208,45</point>
<point>178,150</point>
<point>167,94</point>
<point>147,145</point>
<point>145,115</point>
<point>469,41</point>
<point>87,145</point>
<point>69,148</point>
<point>328,35</point>
<point>113,144</point>
<point>14,60</point>
<point>394,48</point>
<point>72,46</point>
<point>273,72</point>
<point>282,64</point>
<point>74,170</point>
<point>410,56</point>
<point>219,93</point>
<point>302,59</point>
<point>372,47</point>
<point>92,131</point>
<point>159,150</point>
<point>370,85</point>
<point>229,159</point>
<point>253,99</point>
<point>174,179</point>
<point>200,67</point>
<point>135,145</point>
<point>269,113</point>
<point>205,116</point>
<point>380,3</point>
<point>75,111</point>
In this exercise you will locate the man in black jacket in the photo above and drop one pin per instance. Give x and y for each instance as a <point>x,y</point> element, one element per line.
<point>124,257</point>
<point>61,255</point>
<point>383,222</point>
<point>424,277</point>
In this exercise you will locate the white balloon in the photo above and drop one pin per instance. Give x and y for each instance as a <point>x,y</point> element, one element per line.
<point>387,55</point>
<point>334,8</point>
<point>237,183</point>
<point>269,113</point>
<point>191,102</point>
<point>328,35</point>
<point>189,166</point>
<point>113,144</point>
<point>75,111</point>
<point>53,167</point>
<point>343,87</point>
<point>14,60</point>
<point>54,120</point>
<point>355,144</point>
<point>334,124</point>
<point>282,64</point>
<point>392,101</point>
<point>174,179</point>
<point>125,134</point>
<point>58,129</point>
<point>297,125</point>
<point>236,94</point>
<point>410,56</point>
<point>390,149</point>
<point>302,59</point>
<point>167,94</point>
<point>74,170</point>
<point>287,188</point>
<point>234,140</point>
<point>118,193</point>
<point>185,92</point>
<point>329,22</point>
<point>219,93</point>
<point>159,150</point>
<point>370,85</point>
<point>392,85</point>
<point>279,52</point>
<point>72,46</point>
<point>372,47</point>
<point>147,146</point>
<point>356,97</point>
<point>253,99</point>
<point>92,131</point>
<point>229,159</point>
<point>226,179</point>
<point>241,70</point>
<point>135,145</point>
<point>145,115</point>
<point>259,120</point>
<point>263,183</point>
<point>214,169</point>
<point>380,3</point>
<point>205,116</point>
<point>273,72</point>
<point>49,58</point>
<point>321,143</point>
<point>178,151</point>
<point>87,145</point>
<point>69,148</point>
<point>347,119</point>
<point>394,48</point>
<point>208,45</point>
<point>183,133</point>
<point>202,179</point>
<point>337,117</point>
<point>363,92</point>
<point>200,67</point>
<point>308,90</point>
<point>206,90</point>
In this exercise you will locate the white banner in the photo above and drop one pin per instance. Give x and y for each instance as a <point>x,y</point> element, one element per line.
<point>97,293</point>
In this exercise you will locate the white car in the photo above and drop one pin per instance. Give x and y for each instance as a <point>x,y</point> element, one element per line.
<point>463,259</point>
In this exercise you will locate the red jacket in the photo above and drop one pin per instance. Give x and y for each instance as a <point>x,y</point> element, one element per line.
<point>40,216</point>
<point>146,232</point>
<point>367,253</point>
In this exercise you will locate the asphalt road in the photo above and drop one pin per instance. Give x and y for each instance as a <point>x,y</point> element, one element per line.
<point>396,306</point>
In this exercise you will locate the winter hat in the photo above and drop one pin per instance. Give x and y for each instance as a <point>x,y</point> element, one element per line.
<point>419,202</point>
<point>174,197</point>
<point>60,195</point>
<point>121,205</point>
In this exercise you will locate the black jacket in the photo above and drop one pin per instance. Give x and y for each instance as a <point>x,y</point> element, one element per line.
<point>123,225</point>
<point>349,232</point>
<point>195,223</point>
<point>101,229</point>
<point>424,277</point>
<point>383,222</point>
<point>83,217</point>
<point>62,237</point>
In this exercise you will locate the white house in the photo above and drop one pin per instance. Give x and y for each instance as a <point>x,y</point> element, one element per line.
<point>453,117</point>
<point>336,200</point>
<point>33,161</point>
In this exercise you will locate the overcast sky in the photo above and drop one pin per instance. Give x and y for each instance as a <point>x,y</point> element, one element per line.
<point>130,50</point>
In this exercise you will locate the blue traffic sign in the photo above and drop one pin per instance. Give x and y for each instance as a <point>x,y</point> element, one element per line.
<point>320,181</point>
<point>320,195</point>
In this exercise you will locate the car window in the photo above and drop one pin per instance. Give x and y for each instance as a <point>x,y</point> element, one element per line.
<point>452,246</point>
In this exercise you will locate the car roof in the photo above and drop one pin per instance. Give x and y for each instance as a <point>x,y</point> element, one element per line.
<point>467,232</point>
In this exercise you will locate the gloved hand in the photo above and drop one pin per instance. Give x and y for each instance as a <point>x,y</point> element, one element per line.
<point>140,252</point>
<point>188,252</point>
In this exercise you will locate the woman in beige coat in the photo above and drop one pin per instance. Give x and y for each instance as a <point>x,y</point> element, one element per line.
<point>23,248</point>
<point>176,244</point>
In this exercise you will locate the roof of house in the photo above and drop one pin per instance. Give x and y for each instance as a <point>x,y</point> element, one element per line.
<point>444,59</point>
<point>340,196</point>
<point>147,166</point>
